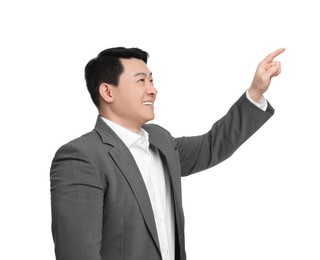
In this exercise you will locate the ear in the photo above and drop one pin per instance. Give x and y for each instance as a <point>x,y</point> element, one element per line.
<point>105,91</point>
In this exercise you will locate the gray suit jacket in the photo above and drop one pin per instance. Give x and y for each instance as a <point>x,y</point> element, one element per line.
<point>100,205</point>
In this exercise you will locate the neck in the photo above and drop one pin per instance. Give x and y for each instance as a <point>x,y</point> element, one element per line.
<point>123,123</point>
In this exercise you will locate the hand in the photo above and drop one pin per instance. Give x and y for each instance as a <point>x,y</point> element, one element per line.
<point>266,69</point>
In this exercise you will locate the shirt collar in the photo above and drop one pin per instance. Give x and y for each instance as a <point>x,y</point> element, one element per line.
<point>127,136</point>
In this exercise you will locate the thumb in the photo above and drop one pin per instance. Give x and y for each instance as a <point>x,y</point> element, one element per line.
<point>274,70</point>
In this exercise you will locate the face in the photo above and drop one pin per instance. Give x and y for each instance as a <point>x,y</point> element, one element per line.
<point>133,99</point>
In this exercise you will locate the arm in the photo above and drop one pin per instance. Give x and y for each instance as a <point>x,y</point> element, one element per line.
<point>230,132</point>
<point>201,152</point>
<point>77,205</point>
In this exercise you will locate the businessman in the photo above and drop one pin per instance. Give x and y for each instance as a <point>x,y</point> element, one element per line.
<point>116,191</point>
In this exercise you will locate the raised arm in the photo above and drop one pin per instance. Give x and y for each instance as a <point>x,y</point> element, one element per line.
<point>198,153</point>
<point>231,131</point>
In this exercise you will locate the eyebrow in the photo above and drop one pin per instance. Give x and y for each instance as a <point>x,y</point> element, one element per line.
<point>142,74</point>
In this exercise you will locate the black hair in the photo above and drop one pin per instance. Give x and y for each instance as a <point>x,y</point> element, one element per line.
<point>107,68</point>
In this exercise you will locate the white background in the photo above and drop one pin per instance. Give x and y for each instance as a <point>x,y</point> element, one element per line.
<point>262,203</point>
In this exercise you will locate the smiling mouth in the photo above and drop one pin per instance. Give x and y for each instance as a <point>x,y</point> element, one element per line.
<point>147,103</point>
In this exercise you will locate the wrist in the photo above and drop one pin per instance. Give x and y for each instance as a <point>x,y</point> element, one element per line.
<point>255,94</point>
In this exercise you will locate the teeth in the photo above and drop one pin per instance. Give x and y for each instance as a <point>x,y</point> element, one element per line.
<point>147,103</point>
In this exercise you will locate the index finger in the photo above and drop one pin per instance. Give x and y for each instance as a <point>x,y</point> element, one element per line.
<point>274,54</point>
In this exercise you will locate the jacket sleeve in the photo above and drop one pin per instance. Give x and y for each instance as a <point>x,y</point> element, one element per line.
<point>77,205</point>
<point>201,152</point>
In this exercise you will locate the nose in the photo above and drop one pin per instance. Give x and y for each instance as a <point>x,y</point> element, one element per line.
<point>152,90</point>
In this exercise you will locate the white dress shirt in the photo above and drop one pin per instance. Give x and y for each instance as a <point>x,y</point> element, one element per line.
<point>157,183</point>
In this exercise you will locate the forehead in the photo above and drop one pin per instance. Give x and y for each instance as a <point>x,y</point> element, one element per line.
<point>134,66</point>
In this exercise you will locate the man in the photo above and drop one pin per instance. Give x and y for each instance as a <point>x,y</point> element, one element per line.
<point>116,191</point>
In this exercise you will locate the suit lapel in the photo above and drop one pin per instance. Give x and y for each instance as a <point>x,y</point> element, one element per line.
<point>170,158</point>
<point>127,165</point>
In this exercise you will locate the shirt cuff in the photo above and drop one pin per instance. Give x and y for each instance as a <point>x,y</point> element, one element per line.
<point>262,104</point>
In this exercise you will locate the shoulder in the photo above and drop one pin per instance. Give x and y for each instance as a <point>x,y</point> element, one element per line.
<point>82,144</point>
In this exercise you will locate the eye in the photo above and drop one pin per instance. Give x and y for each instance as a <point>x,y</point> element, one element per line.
<point>141,80</point>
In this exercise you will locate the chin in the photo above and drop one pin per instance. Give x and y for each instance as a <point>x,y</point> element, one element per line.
<point>149,119</point>
<point>152,117</point>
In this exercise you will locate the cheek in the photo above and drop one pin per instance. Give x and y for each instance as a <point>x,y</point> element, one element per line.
<point>132,101</point>
<point>130,98</point>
